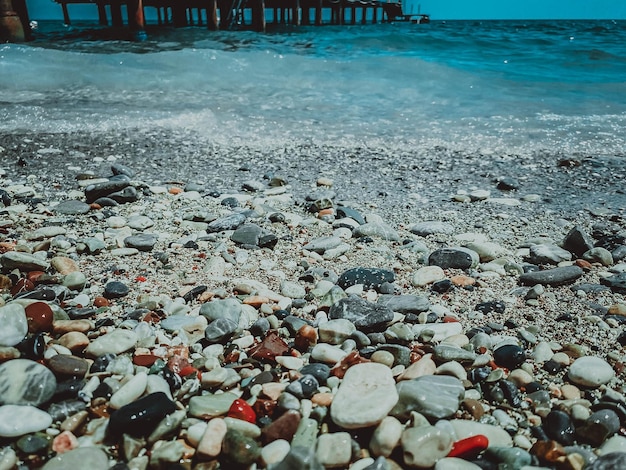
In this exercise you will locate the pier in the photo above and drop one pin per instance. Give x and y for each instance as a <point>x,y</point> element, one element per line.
<point>241,14</point>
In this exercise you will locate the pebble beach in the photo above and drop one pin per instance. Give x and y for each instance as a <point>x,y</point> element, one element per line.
<point>171,303</point>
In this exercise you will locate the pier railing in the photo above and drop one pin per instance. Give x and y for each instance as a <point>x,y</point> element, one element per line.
<point>244,14</point>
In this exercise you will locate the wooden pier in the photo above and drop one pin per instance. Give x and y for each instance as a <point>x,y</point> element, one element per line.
<point>241,14</point>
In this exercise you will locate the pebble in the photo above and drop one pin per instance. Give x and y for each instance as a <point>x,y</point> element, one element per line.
<point>362,385</point>
<point>25,382</point>
<point>434,396</point>
<point>590,371</point>
<point>18,420</point>
<point>456,258</point>
<point>552,277</point>
<point>92,457</point>
<point>14,324</point>
<point>423,446</point>
<point>334,449</point>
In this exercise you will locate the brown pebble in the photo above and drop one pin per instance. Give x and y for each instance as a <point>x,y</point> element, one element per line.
<point>584,264</point>
<point>306,337</point>
<point>271,346</point>
<point>462,281</point>
<point>282,428</point>
<point>340,369</point>
<point>5,283</point>
<point>64,265</point>
<point>66,326</point>
<point>144,360</point>
<point>263,407</point>
<point>322,399</point>
<point>101,302</point>
<point>71,366</point>
<point>75,421</point>
<point>548,451</point>
<point>473,407</point>
<point>617,309</point>
<point>75,341</point>
<point>256,300</point>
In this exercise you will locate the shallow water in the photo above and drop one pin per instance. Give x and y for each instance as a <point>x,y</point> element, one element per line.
<point>504,86</point>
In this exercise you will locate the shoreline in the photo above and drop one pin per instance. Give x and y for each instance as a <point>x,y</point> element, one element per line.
<point>178,264</point>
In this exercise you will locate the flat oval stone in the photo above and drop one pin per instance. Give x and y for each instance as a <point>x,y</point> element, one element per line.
<point>115,342</point>
<point>23,261</point>
<point>369,277</point>
<point>434,396</point>
<point>14,324</point>
<point>93,458</point>
<point>25,382</point>
<point>115,290</point>
<point>365,396</point>
<point>142,241</point>
<point>72,207</point>
<point>552,277</point>
<point>590,371</point>
<point>66,365</point>
<point>211,405</point>
<point>454,258</point>
<point>18,420</point>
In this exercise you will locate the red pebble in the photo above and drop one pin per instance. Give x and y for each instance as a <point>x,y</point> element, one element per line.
<point>141,279</point>
<point>187,370</point>
<point>241,410</point>
<point>469,447</point>
<point>39,316</point>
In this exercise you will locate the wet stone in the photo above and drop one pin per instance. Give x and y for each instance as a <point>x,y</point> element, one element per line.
<point>66,365</point>
<point>14,321</point>
<point>284,427</point>
<point>25,382</point>
<point>590,371</point>
<point>617,282</point>
<point>93,458</point>
<point>369,277</point>
<point>219,330</point>
<point>552,277</point>
<point>72,207</point>
<point>577,241</point>
<point>240,449</point>
<point>95,191</point>
<point>362,386</point>
<point>405,303</point>
<point>510,356</point>
<point>453,258</point>
<point>115,290</point>
<point>18,420</point>
<point>304,387</point>
<point>365,315</point>
<point>140,417</point>
<point>434,396</point>
<point>141,242</point>
<point>229,222</point>
<point>558,426</point>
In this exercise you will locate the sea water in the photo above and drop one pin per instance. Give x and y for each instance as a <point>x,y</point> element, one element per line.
<point>506,86</point>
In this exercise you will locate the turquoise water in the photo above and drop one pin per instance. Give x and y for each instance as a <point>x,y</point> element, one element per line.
<point>505,86</point>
